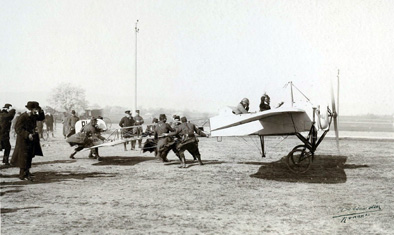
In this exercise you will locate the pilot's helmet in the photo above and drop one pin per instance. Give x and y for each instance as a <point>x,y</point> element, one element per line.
<point>245,101</point>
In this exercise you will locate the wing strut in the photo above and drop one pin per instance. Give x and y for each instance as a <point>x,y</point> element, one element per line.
<point>262,146</point>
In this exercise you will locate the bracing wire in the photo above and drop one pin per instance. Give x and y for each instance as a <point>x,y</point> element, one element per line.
<point>308,100</point>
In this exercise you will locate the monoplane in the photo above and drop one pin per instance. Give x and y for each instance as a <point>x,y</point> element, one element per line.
<point>282,121</point>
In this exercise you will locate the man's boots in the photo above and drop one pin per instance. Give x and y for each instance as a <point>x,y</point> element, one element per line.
<point>6,160</point>
<point>72,155</point>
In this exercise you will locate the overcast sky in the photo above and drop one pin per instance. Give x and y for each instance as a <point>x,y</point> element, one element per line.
<point>199,55</point>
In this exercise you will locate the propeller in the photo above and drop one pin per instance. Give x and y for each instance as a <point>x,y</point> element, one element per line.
<point>335,113</point>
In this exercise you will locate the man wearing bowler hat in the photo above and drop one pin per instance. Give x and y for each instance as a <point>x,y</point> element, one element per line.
<point>6,116</point>
<point>27,140</point>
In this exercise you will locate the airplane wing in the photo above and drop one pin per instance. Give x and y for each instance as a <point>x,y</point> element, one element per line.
<point>270,122</point>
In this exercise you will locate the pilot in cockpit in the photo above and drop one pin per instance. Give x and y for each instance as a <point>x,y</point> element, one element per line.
<point>242,107</point>
<point>265,103</point>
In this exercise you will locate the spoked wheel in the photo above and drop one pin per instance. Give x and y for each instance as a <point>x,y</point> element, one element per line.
<point>299,159</point>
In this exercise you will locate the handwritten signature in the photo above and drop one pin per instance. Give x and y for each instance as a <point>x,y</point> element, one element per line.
<point>357,212</point>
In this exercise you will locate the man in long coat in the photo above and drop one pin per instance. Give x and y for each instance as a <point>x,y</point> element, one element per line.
<point>6,116</point>
<point>27,140</point>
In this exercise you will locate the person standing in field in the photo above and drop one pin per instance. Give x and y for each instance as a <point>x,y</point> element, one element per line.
<point>71,123</point>
<point>6,116</point>
<point>125,122</point>
<point>27,140</point>
<point>138,130</point>
<point>66,128</point>
<point>49,120</point>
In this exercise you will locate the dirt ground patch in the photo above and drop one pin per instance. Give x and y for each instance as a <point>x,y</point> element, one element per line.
<point>235,192</point>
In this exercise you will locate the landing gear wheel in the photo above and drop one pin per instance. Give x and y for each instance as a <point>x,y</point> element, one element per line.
<point>299,159</point>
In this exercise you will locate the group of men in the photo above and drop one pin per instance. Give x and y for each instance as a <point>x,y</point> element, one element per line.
<point>179,138</point>
<point>130,127</point>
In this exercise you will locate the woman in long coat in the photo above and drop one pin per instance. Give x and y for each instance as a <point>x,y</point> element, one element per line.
<point>27,141</point>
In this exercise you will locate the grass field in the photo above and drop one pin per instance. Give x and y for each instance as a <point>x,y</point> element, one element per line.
<point>235,192</point>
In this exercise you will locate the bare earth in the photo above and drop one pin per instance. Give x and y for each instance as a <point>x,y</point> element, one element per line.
<point>235,192</point>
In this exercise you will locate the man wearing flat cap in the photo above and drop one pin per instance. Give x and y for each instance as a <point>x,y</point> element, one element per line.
<point>127,123</point>
<point>27,140</point>
<point>6,116</point>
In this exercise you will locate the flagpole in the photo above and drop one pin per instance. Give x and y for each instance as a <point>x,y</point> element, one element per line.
<point>136,32</point>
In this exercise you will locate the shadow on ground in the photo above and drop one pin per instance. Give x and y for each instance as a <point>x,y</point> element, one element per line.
<point>52,176</point>
<point>11,210</point>
<point>122,161</point>
<point>191,163</point>
<point>324,169</point>
<point>41,163</point>
<point>10,189</point>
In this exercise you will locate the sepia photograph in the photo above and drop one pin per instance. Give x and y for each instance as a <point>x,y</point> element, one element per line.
<point>196,117</point>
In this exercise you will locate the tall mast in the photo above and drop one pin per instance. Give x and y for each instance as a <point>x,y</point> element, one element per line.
<point>338,93</point>
<point>136,32</point>
<point>291,89</point>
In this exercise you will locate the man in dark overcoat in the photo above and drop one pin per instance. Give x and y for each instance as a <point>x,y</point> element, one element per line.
<point>127,123</point>
<point>6,116</point>
<point>27,140</point>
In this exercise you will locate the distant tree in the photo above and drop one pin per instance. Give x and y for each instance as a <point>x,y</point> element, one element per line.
<point>68,97</point>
